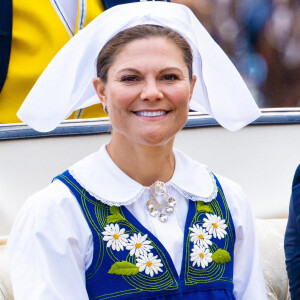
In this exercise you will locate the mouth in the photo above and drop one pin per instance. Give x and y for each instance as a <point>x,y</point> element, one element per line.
<point>157,113</point>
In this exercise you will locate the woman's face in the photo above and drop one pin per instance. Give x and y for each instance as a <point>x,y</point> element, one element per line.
<point>147,92</point>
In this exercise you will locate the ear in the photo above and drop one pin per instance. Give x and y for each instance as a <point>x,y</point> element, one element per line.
<point>194,79</point>
<point>99,87</point>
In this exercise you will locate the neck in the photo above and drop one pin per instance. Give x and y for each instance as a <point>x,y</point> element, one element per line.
<point>144,164</point>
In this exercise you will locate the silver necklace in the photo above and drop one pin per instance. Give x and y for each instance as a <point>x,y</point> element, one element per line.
<point>160,204</point>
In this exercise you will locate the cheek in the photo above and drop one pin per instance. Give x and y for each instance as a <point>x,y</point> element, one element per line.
<point>120,99</point>
<point>179,96</point>
<point>118,104</point>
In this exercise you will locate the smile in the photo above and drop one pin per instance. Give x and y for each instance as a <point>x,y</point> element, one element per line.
<point>151,113</point>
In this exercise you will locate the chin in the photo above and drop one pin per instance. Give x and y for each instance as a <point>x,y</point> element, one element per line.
<point>156,139</point>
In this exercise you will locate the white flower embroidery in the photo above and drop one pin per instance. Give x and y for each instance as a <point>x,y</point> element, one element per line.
<point>115,237</point>
<point>138,245</point>
<point>149,263</point>
<point>199,236</point>
<point>201,256</point>
<point>215,226</point>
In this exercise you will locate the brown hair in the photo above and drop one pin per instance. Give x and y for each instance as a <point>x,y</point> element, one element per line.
<point>108,53</point>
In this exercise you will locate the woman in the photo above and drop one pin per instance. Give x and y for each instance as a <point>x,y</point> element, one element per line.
<point>138,219</point>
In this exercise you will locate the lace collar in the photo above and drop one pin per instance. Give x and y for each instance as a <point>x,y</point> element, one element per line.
<point>102,178</point>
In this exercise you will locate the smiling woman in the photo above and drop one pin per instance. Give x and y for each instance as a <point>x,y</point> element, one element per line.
<point>138,219</point>
<point>147,90</point>
<point>151,94</point>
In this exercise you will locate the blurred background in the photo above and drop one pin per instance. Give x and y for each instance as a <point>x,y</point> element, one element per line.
<point>262,38</point>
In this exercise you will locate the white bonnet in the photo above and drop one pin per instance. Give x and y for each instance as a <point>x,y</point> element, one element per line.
<point>66,84</point>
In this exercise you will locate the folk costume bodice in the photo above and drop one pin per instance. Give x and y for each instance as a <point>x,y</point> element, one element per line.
<point>71,245</point>
<point>129,262</point>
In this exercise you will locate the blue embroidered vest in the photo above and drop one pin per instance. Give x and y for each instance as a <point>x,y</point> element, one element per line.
<point>129,262</point>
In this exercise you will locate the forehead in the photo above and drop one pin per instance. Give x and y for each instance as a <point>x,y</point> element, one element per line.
<point>155,50</point>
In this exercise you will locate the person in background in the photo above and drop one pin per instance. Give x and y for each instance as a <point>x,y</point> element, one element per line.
<point>292,239</point>
<point>36,35</point>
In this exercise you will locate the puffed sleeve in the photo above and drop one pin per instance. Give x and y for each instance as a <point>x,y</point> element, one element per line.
<point>48,247</point>
<point>248,276</point>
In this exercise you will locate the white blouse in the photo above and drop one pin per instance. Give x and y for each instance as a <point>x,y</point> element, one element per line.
<point>51,244</point>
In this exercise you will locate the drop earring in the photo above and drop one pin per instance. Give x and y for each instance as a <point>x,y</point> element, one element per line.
<point>105,108</point>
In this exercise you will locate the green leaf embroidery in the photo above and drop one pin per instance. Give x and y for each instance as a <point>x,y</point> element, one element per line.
<point>115,215</point>
<point>114,210</point>
<point>199,204</point>
<point>203,207</point>
<point>114,218</point>
<point>123,268</point>
<point>221,256</point>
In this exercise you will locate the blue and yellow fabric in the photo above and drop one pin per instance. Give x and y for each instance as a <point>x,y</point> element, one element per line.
<point>129,262</point>
<point>5,39</point>
<point>110,3</point>
<point>37,35</point>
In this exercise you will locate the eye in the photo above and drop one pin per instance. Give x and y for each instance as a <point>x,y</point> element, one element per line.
<point>170,77</point>
<point>130,78</point>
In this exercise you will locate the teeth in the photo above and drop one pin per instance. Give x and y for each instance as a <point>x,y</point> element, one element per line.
<point>151,113</point>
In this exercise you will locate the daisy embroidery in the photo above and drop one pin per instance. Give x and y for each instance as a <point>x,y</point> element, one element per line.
<point>199,236</point>
<point>115,237</point>
<point>149,263</point>
<point>138,245</point>
<point>201,256</point>
<point>215,226</point>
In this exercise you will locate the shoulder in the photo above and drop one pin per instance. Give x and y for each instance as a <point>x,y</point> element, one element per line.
<point>197,175</point>
<point>296,180</point>
<point>55,197</point>
<point>199,183</point>
<point>232,190</point>
<point>193,169</point>
<point>55,193</point>
<point>52,213</point>
<point>295,197</point>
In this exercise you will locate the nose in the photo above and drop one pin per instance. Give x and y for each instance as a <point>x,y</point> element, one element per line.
<point>151,91</point>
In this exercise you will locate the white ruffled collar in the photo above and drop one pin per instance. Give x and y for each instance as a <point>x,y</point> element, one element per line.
<point>103,179</point>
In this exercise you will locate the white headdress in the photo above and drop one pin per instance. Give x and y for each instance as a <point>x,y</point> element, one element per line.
<point>66,84</point>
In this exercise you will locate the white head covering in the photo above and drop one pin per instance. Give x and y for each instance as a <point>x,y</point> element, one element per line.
<point>66,84</point>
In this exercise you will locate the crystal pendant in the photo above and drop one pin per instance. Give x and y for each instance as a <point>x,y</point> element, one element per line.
<point>171,202</point>
<point>163,218</point>
<point>153,212</point>
<point>160,204</point>
<point>149,204</point>
<point>170,210</point>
